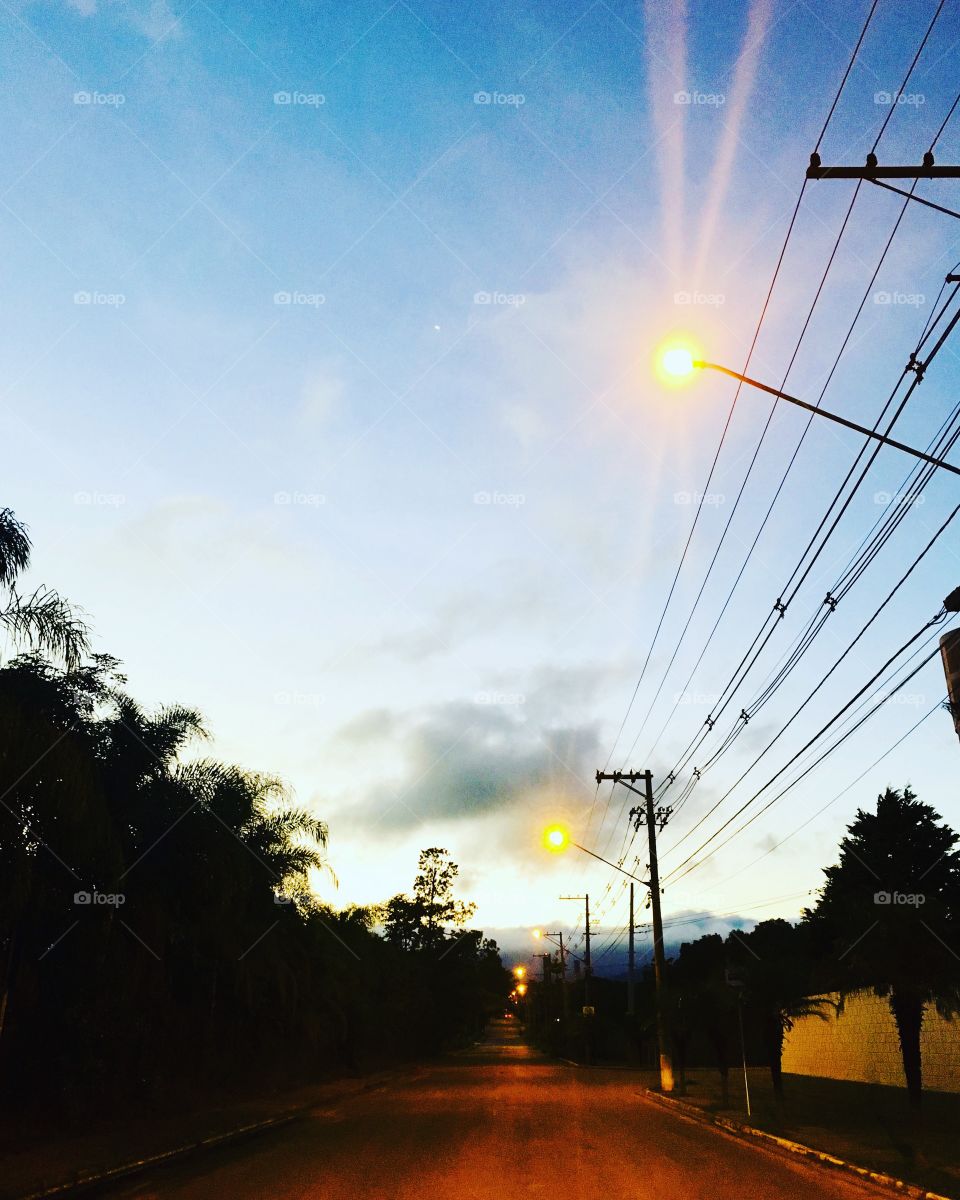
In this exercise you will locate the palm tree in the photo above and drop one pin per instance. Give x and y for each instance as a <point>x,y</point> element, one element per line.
<point>43,620</point>
<point>775,963</point>
<point>887,916</point>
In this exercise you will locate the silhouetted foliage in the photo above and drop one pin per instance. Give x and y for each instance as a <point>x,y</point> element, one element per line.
<point>887,916</point>
<point>157,927</point>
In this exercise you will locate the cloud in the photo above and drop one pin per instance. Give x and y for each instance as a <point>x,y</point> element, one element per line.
<point>463,760</point>
<point>153,20</point>
<point>321,398</point>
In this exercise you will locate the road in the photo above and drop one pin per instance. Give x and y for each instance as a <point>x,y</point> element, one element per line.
<point>498,1122</point>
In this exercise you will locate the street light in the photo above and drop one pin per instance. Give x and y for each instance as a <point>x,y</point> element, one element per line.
<point>678,363</point>
<point>557,839</point>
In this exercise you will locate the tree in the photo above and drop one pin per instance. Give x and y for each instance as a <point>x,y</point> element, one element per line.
<point>418,922</point>
<point>774,961</point>
<point>887,916</point>
<point>44,620</point>
<point>433,894</point>
<point>702,1000</point>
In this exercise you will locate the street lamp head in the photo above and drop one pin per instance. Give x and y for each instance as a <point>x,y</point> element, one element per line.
<point>678,361</point>
<point>519,972</point>
<point>538,934</point>
<point>556,838</point>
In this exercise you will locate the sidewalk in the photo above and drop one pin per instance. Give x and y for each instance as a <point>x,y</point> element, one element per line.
<point>865,1124</point>
<point>35,1166</point>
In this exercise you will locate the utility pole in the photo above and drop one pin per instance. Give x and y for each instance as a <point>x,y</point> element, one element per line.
<point>630,961</point>
<point>565,998</point>
<point>654,819</point>
<point>587,971</point>
<point>950,652</point>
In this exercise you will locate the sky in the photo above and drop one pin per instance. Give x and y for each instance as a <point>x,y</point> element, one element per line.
<point>329,395</point>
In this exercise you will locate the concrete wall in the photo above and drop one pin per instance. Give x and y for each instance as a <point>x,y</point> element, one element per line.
<point>862,1045</point>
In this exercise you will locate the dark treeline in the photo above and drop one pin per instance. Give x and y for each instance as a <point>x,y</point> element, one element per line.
<point>887,920</point>
<point>157,927</point>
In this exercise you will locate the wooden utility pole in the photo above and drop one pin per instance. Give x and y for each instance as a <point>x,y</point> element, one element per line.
<point>654,819</point>
<point>630,962</point>
<point>587,970</point>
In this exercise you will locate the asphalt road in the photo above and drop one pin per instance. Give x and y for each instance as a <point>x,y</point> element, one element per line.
<point>496,1123</point>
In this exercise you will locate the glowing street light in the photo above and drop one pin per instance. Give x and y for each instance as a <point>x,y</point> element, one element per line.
<point>519,972</point>
<point>676,363</point>
<point>557,839</point>
<point>521,989</point>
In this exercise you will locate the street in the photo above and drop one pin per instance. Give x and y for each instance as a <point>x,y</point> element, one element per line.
<point>497,1121</point>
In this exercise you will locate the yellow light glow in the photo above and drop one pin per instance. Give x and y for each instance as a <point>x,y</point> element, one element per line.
<point>519,972</point>
<point>521,989</point>
<point>556,838</point>
<point>538,933</point>
<point>675,361</point>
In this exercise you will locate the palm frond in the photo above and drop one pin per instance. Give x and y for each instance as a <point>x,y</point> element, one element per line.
<point>45,621</point>
<point>14,547</point>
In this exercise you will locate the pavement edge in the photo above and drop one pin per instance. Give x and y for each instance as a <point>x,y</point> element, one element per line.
<point>136,1166</point>
<point>749,1132</point>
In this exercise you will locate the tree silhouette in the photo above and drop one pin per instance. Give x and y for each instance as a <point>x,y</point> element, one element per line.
<point>774,961</point>
<point>887,916</point>
<point>43,620</point>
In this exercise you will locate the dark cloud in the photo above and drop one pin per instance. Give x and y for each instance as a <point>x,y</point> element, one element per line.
<point>466,760</point>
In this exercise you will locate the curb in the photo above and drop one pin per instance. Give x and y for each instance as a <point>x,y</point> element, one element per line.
<point>82,1183</point>
<point>747,1132</point>
<point>134,1166</point>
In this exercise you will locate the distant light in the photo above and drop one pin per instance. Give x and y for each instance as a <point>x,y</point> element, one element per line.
<point>538,933</point>
<point>519,972</point>
<point>521,989</point>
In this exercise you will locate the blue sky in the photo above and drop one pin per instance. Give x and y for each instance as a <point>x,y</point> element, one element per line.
<point>329,335</point>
